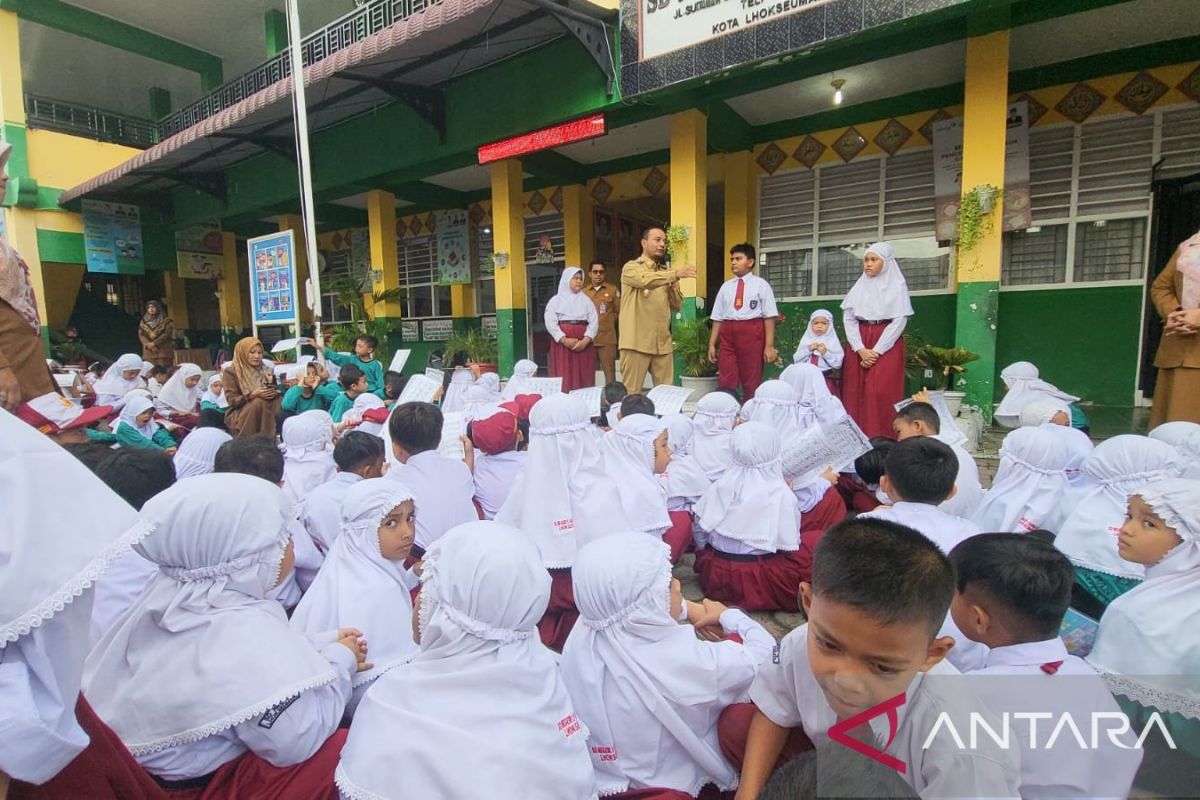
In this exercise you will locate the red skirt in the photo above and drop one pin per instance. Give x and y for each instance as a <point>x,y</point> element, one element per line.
<point>733,728</point>
<point>679,535</point>
<point>577,369</point>
<point>249,777</point>
<point>753,583</point>
<point>870,395</point>
<point>829,511</point>
<point>555,626</point>
<point>857,497</point>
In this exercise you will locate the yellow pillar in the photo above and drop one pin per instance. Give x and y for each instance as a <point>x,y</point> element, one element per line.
<point>176,300</point>
<point>741,202</point>
<point>508,234</point>
<point>689,195</point>
<point>295,223</point>
<point>12,101</point>
<point>381,227</point>
<point>577,226</point>
<point>232,304</point>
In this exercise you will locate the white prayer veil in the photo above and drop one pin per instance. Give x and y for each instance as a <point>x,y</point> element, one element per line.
<point>1041,412</point>
<point>135,406</point>
<point>1146,647</point>
<point>644,685</point>
<point>203,648</point>
<point>684,478</point>
<point>716,414</point>
<point>210,397</point>
<point>460,381</point>
<point>1025,386</point>
<point>567,304</point>
<point>751,503</point>
<point>307,453</point>
<point>481,709</point>
<point>884,296</point>
<point>629,462</point>
<point>564,498</point>
<point>198,451</point>
<point>1185,438</point>
<point>816,402</point>
<point>1029,486</point>
<point>830,339</point>
<point>357,587</point>
<point>176,395</point>
<point>523,370</point>
<point>113,383</point>
<point>776,405</point>
<point>1118,467</point>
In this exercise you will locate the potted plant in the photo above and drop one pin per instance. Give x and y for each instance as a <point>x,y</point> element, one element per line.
<point>696,372</point>
<point>477,348</point>
<point>949,362</point>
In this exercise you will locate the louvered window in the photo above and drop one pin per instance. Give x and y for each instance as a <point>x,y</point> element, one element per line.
<point>418,271</point>
<point>1180,149</point>
<point>1115,157</point>
<point>544,239</point>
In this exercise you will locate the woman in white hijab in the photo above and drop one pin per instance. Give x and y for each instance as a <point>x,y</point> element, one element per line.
<point>214,395</point>
<point>572,322</point>
<point>203,674</point>
<point>179,399</point>
<point>481,710</point>
<point>1028,490</point>
<point>124,374</point>
<point>363,578</point>
<point>307,454</point>
<point>563,500</point>
<point>1117,468</point>
<point>635,454</point>
<point>776,405</point>
<point>751,511</point>
<point>649,692</point>
<point>198,451</point>
<point>1023,386</point>
<point>1147,648</point>
<point>874,315</point>
<point>523,370</point>
<point>817,404</point>
<point>47,576</point>
<point>716,414</point>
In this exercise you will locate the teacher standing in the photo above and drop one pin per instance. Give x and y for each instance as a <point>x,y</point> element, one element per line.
<point>156,332</point>
<point>571,321</point>
<point>1176,296</point>
<point>649,295</point>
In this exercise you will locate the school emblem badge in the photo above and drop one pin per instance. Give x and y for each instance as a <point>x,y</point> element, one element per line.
<point>753,304</point>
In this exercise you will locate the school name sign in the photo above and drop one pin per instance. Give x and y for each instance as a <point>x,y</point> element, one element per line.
<point>669,25</point>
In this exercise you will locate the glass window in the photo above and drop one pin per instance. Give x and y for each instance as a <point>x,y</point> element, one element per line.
<point>1034,256</point>
<point>839,268</point>
<point>789,272</point>
<point>1110,250</point>
<point>485,296</point>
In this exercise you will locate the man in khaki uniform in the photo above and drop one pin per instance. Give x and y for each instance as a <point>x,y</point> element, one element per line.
<point>651,294</point>
<point>608,307</point>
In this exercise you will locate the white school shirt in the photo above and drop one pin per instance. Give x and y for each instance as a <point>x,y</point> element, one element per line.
<point>944,530</point>
<point>322,509</point>
<point>758,300</point>
<point>786,691</point>
<point>298,729</point>
<point>970,491</point>
<point>1063,770</point>
<point>443,490</point>
<point>494,477</point>
<point>891,334</point>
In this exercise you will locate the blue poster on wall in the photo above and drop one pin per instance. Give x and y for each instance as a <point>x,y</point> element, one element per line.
<point>112,238</point>
<point>273,279</point>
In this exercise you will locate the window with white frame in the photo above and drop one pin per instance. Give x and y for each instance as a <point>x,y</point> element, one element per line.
<point>418,273</point>
<point>336,267</point>
<point>815,224</point>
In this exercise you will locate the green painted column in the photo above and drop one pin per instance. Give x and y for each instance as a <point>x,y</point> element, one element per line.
<point>975,330</point>
<point>160,102</point>
<point>277,32</point>
<point>511,336</point>
<point>686,312</point>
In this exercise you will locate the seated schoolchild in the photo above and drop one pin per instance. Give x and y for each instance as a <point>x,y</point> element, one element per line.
<point>716,414</point>
<point>685,481</point>
<point>363,578</point>
<point>461,379</point>
<point>860,488</point>
<point>635,454</point>
<point>178,401</point>
<point>481,710</point>
<point>1013,591</point>
<point>820,503</point>
<point>776,405</point>
<point>393,386</point>
<point>362,359</point>
<point>368,414</point>
<point>213,398</point>
<point>358,456</point>
<point>353,383</point>
<point>646,688</point>
<point>817,404</point>
<point>610,403</point>
<point>920,419</point>
<point>750,522</point>
<point>198,451</point>
<point>313,391</point>
<point>307,453</point>
<point>124,374</point>
<point>878,596</point>
<point>523,370</point>
<point>1030,485</point>
<point>203,679</point>
<point>136,426</point>
<point>495,435</point>
<point>1185,438</point>
<point>1023,385</point>
<point>1054,417</point>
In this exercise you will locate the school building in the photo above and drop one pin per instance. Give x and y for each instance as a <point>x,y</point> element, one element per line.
<point>560,129</point>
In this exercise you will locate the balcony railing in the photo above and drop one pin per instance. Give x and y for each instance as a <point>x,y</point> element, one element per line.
<point>94,123</point>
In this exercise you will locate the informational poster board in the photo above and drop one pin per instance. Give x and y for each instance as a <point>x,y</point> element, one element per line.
<point>199,252</point>
<point>453,247</point>
<point>112,238</point>
<point>273,280</point>
<point>437,330</point>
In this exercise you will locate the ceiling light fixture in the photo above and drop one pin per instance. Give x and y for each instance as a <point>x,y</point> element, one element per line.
<point>837,84</point>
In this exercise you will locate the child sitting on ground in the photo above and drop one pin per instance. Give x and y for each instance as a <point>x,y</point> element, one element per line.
<point>137,428</point>
<point>393,387</point>
<point>496,436</point>
<point>921,419</point>
<point>213,398</point>
<point>878,595</point>
<point>357,455</point>
<point>610,403</point>
<point>312,392</point>
<point>1030,485</point>
<point>1013,591</point>
<point>860,489</point>
<point>1023,385</point>
<point>635,454</point>
<point>353,383</point>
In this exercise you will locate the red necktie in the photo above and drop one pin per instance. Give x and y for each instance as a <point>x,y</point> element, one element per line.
<point>1051,667</point>
<point>814,359</point>
<point>737,297</point>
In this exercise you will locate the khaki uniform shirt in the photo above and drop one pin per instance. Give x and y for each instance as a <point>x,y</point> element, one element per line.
<point>1174,350</point>
<point>608,306</point>
<point>650,293</point>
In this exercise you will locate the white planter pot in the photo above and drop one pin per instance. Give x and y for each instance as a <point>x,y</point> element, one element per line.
<point>699,386</point>
<point>953,401</point>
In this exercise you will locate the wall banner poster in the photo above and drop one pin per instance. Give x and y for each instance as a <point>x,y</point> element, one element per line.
<point>112,238</point>
<point>199,252</point>
<point>453,248</point>
<point>273,279</point>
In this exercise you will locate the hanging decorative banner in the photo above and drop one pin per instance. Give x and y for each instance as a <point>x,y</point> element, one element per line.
<point>273,279</point>
<point>199,252</point>
<point>453,247</point>
<point>112,238</point>
<point>1018,209</point>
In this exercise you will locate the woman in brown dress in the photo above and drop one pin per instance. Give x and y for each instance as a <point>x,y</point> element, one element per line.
<point>253,400</point>
<point>1176,295</point>
<point>157,334</point>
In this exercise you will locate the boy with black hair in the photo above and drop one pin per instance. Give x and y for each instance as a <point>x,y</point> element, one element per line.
<point>251,455</point>
<point>1013,592</point>
<point>878,596</point>
<point>634,404</point>
<point>743,325</point>
<point>835,771</point>
<point>393,387</point>
<point>363,358</point>
<point>211,418</point>
<point>442,488</point>
<point>353,383</point>
<point>610,403</point>
<point>860,489</point>
<point>358,455</point>
<point>312,391</point>
<point>921,419</point>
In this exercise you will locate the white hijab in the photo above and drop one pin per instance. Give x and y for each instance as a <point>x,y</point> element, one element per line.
<point>136,405</point>
<point>564,498</point>
<point>1118,467</point>
<point>113,384</point>
<point>523,370</point>
<point>1079,447</point>
<point>639,679</point>
<point>1024,386</point>
<point>751,503</point>
<point>175,394</point>
<point>307,453</point>
<point>1030,484</point>
<point>829,338</point>
<point>568,304</point>
<point>198,451</point>
<point>1185,438</point>
<point>203,649</point>
<point>716,414</point>
<point>1041,412</point>
<point>210,397</point>
<point>629,462</point>
<point>1147,646</point>
<point>884,296</point>
<point>460,381</point>
<point>776,405</point>
<point>684,478</point>
<point>481,709</point>
<point>812,393</point>
<point>357,586</point>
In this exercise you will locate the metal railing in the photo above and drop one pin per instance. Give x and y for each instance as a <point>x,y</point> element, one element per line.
<point>94,123</point>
